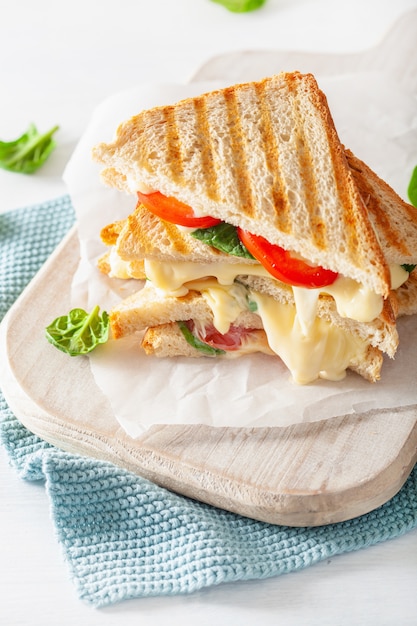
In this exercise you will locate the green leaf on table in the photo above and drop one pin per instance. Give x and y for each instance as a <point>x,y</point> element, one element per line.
<point>27,153</point>
<point>79,332</point>
<point>412,188</point>
<point>241,6</point>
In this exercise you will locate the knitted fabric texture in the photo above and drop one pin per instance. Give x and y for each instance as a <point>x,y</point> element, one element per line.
<point>27,238</point>
<point>124,537</point>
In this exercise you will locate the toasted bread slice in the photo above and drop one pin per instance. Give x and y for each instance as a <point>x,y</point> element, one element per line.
<point>407,296</point>
<point>145,236</point>
<point>394,220</point>
<point>167,341</point>
<point>151,307</point>
<point>110,233</point>
<point>264,156</point>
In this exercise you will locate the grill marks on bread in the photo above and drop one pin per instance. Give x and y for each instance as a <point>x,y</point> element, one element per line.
<point>240,169</point>
<point>213,144</point>
<point>232,133</point>
<point>173,144</point>
<point>146,236</point>
<point>271,152</point>
<point>264,156</point>
<point>394,220</point>
<point>208,164</point>
<point>311,201</point>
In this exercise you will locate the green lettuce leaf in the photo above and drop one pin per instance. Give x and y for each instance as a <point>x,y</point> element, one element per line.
<point>79,332</point>
<point>412,195</point>
<point>27,153</point>
<point>241,6</point>
<point>223,237</point>
<point>412,188</point>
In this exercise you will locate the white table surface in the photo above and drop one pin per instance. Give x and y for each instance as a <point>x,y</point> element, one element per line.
<point>58,62</point>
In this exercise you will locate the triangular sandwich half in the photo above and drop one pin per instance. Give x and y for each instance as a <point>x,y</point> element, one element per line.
<point>260,167</point>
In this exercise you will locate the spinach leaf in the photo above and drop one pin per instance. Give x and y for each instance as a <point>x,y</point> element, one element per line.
<point>241,6</point>
<point>27,153</point>
<point>252,306</point>
<point>412,194</point>
<point>204,348</point>
<point>79,332</point>
<point>223,237</point>
<point>412,188</point>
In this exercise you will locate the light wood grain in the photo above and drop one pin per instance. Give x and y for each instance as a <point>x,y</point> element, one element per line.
<point>396,55</point>
<point>306,474</point>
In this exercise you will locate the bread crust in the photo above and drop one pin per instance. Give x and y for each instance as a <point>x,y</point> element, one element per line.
<point>407,296</point>
<point>167,341</point>
<point>109,234</point>
<point>394,220</point>
<point>149,307</point>
<point>145,236</point>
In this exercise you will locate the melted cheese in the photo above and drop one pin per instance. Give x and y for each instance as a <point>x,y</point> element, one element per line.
<point>352,299</point>
<point>398,276</point>
<point>225,302</point>
<point>306,306</point>
<point>324,351</point>
<point>124,269</point>
<point>118,267</point>
<point>310,347</point>
<point>355,301</point>
<point>171,277</point>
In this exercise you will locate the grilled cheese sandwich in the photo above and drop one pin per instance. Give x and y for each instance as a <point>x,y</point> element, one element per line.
<point>263,159</point>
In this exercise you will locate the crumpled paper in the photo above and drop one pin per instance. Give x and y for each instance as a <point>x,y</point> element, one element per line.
<point>379,124</point>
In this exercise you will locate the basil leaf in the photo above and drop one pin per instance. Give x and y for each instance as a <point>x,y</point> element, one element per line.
<point>223,237</point>
<point>252,306</point>
<point>79,332</point>
<point>196,343</point>
<point>241,6</point>
<point>412,188</point>
<point>412,194</point>
<point>27,153</point>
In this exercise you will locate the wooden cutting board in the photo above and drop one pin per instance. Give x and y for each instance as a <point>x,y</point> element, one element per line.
<point>396,54</point>
<point>307,474</point>
<point>301,475</point>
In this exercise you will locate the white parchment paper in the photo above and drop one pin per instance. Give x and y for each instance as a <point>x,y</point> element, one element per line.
<point>379,123</point>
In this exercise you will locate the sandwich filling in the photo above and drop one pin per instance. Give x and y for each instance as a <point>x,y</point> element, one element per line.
<point>257,171</point>
<point>311,347</point>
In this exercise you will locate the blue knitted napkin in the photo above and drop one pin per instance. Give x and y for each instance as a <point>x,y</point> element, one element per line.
<point>124,537</point>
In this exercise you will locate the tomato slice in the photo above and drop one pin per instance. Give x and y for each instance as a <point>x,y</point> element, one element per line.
<point>174,211</point>
<point>279,263</point>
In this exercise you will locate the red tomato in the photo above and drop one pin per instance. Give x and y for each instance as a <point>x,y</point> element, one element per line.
<point>279,263</point>
<point>232,340</point>
<point>174,211</point>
